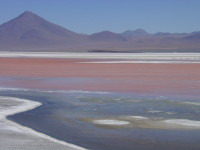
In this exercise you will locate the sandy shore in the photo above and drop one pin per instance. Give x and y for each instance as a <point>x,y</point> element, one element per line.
<point>18,137</point>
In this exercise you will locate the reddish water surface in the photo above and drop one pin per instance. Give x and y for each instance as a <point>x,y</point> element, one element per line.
<point>136,78</point>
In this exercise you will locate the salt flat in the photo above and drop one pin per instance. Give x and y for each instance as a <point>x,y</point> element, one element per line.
<point>157,56</point>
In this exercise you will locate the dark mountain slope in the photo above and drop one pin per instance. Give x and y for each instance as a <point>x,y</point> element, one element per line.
<point>31,31</point>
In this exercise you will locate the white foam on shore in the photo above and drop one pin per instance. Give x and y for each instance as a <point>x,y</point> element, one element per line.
<point>25,106</point>
<point>111,122</point>
<point>184,122</point>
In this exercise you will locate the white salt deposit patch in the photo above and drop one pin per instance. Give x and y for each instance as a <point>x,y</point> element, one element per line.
<point>84,92</point>
<point>52,91</point>
<point>192,103</point>
<point>137,117</point>
<point>25,106</point>
<point>171,113</point>
<point>184,122</point>
<point>143,56</point>
<point>111,122</point>
<point>9,128</point>
<point>13,89</point>
<point>154,111</point>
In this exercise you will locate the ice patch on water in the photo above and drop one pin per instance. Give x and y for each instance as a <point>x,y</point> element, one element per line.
<point>184,122</point>
<point>111,122</point>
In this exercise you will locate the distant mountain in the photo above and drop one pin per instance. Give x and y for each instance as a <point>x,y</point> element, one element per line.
<point>162,34</point>
<point>166,34</point>
<point>107,36</point>
<point>135,33</point>
<point>30,32</point>
<point>193,36</point>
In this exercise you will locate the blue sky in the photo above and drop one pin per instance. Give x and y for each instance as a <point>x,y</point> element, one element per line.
<point>90,16</point>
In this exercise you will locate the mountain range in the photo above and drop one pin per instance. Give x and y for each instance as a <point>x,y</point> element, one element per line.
<point>30,32</point>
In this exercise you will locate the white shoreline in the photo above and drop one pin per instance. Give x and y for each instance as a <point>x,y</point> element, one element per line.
<point>145,56</point>
<point>143,62</point>
<point>25,106</point>
<point>52,91</point>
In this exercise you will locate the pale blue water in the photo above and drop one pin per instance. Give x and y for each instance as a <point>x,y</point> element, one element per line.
<point>63,112</point>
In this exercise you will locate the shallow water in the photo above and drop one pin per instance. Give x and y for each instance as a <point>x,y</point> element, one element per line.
<point>71,116</point>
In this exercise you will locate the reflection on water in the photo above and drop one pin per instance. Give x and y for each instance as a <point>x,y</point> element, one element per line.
<point>101,120</point>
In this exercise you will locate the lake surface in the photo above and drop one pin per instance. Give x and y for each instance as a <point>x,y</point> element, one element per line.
<point>113,121</point>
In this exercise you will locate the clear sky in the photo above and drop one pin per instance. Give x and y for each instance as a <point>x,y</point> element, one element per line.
<point>89,16</point>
